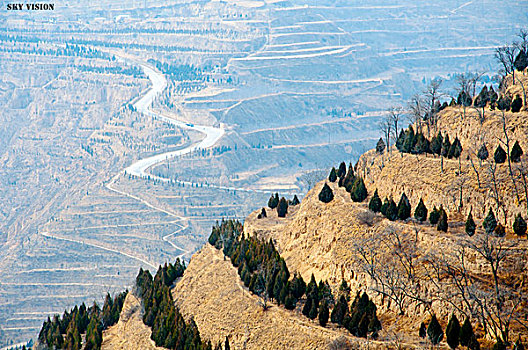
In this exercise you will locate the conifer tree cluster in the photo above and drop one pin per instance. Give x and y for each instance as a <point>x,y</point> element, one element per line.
<point>409,142</point>
<point>402,211</point>
<point>264,272</point>
<point>169,328</point>
<point>352,183</point>
<point>66,332</point>
<point>262,214</point>
<point>318,299</point>
<point>260,266</point>
<point>438,218</point>
<point>281,205</point>
<point>455,333</point>
<point>360,319</point>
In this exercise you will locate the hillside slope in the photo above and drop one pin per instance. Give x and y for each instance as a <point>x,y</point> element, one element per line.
<point>211,292</point>
<point>130,332</point>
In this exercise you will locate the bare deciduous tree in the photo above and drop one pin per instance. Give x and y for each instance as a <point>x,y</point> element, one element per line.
<point>523,44</point>
<point>385,126</point>
<point>417,110</point>
<point>506,143</point>
<point>396,116</point>
<point>432,96</point>
<point>505,55</point>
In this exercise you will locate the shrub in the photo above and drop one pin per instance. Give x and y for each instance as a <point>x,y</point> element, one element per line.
<point>434,216</point>
<point>453,332</point>
<point>358,192</point>
<point>516,152</point>
<point>490,222</point>
<point>375,202</point>
<point>519,225</point>
<point>380,146</point>
<point>500,155</point>
<point>470,225</point>
<point>434,331</point>
<point>326,195</point>
<point>404,207</point>
<point>333,175</point>
<point>282,208</point>
<point>420,213</point>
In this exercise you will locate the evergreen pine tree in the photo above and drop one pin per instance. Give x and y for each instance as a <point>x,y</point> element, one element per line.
<point>375,202</point>
<point>307,306</point>
<point>453,332</point>
<point>422,145</point>
<point>314,310</point>
<point>470,225</point>
<point>404,207</point>
<point>392,211</point>
<point>434,216</point>
<point>349,178</point>
<point>519,225</point>
<point>289,302</point>
<point>323,313</point>
<point>483,153</point>
<point>434,331</point>
<point>326,195</point>
<point>492,97</point>
<point>456,149</point>
<point>436,144</point>
<point>482,99</point>
<point>422,332</point>
<point>464,99</point>
<point>295,200</point>
<point>420,213</point>
<point>282,208</point>
<point>521,61</point>
<point>409,143</point>
<point>400,141</point>
<point>380,146</point>
<point>516,152</point>
<point>384,207</point>
<point>516,104</point>
<point>490,223</point>
<point>500,155</point>
<point>273,201</point>
<point>342,170</point>
<point>446,145</point>
<point>442,221</point>
<point>358,192</point>
<point>333,175</point>
<point>466,333</point>
<point>499,230</point>
<point>340,310</point>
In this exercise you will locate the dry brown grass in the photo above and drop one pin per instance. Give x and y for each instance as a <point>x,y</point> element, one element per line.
<point>130,333</point>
